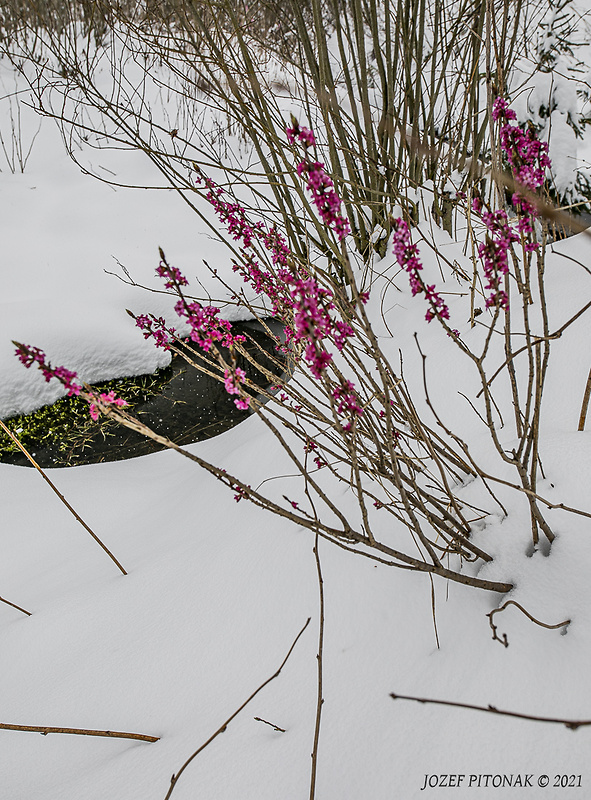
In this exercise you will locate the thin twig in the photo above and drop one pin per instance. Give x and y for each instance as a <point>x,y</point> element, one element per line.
<point>556,335</point>
<point>319,697</point>
<point>60,495</point>
<point>78,731</point>
<point>504,641</point>
<point>271,724</point>
<point>8,603</point>
<point>572,724</point>
<point>223,726</point>
<point>585,404</point>
<point>433,611</point>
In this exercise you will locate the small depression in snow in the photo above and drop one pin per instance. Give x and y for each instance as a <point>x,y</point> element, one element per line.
<point>190,406</point>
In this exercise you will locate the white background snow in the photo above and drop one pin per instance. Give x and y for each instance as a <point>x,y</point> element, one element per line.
<point>217,591</point>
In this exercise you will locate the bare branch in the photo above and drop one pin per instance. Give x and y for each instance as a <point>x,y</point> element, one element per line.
<point>224,725</point>
<point>8,603</point>
<point>44,730</point>
<point>572,724</point>
<point>503,639</point>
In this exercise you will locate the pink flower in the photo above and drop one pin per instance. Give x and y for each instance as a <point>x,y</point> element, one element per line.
<point>318,183</point>
<point>407,255</point>
<point>104,400</point>
<point>304,135</point>
<point>155,327</point>
<point>33,355</point>
<point>324,197</point>
<point>293,292</point>
<point>528,159</point>
<point>494,254</point>
<point>347,400</point>
<point>233,380</point>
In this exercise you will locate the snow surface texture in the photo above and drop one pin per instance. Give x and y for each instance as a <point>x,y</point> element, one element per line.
<point>61,231</point>
<point>217,591</point>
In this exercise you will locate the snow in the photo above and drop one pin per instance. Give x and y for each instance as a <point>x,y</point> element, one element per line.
<point>218,590</point>
<point>62,232</point>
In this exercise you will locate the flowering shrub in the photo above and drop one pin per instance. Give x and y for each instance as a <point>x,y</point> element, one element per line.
<point>365,433</point>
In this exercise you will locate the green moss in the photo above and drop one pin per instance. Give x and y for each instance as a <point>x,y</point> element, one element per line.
<point>66,425</point>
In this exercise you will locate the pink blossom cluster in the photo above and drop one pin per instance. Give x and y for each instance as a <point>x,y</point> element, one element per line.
<point>173,277</point>
<point>231,214</point>
<point>288,292</point>
<point>155,328</point>
<point>407,255</point>
<point>324,197</point>
<point>528,159</point>
<point>313,324</point>
<point>108,399</point>
<point>347,402</point>
<point>494,252</point>
<point>303,135</point>
<point>234,217</point>
<point>33,355</point>
<point>207,328</point>
<point>233,379</point>
<point>318,183</point>
<point>291,291</point>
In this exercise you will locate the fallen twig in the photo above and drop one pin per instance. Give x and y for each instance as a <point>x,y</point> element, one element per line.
<point>504,641</point>
<point>78,731</point>
<point>223,726</point>
<point>270,724</point>
<point>572,724</point>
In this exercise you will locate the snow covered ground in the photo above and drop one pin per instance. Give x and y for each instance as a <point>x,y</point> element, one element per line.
<point>217,591</point>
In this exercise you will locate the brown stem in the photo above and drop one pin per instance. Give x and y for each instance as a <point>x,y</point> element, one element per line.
<point>61,497</point>
<point>8,603</point>
<point>319,697</point>
<point>503,640</point>
<point>572,724</point>
<point>332,534</point>
<point>78,732</point>
<point>270,724</point>
<point>585,404</point>
<point>556,335</point>
<point>224,725</point>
